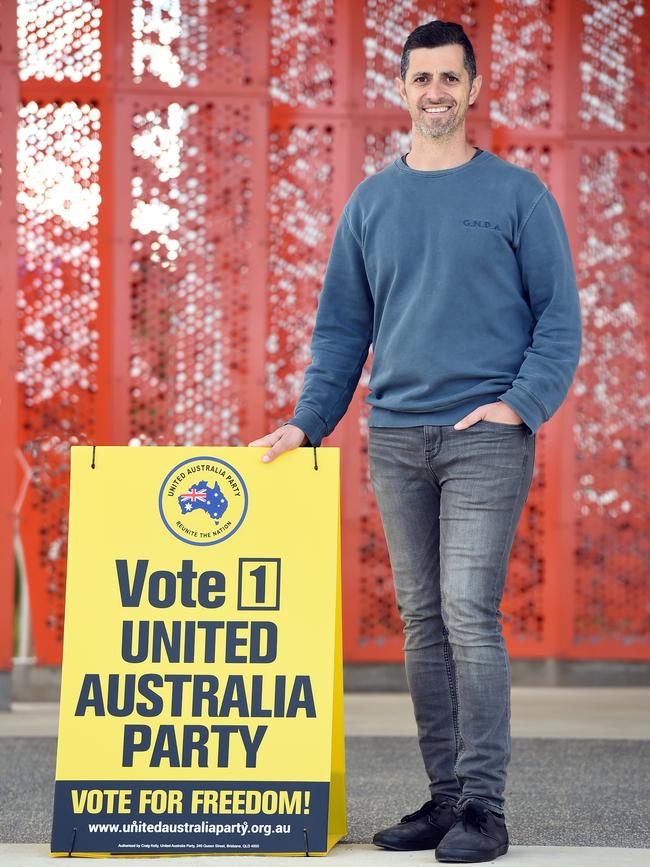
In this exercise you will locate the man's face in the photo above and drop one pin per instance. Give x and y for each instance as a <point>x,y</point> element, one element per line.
<point>437,92</point>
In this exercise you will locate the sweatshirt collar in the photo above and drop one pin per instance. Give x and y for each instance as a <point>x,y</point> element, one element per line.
<point>439,173</point>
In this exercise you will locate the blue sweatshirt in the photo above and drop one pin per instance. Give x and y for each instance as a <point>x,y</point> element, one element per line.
<point>462,281</point>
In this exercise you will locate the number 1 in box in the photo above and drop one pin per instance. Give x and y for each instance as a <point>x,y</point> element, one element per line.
<point>259,584</point>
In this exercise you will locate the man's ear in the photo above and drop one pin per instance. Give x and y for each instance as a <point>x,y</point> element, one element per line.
<point>402,89</point>
<point>475,89</point>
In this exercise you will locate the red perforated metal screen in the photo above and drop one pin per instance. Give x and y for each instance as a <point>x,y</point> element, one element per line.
<point>181,168</point>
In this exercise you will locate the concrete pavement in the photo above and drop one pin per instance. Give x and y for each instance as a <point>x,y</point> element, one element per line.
<point>346,855</point>
<point>537,712</point>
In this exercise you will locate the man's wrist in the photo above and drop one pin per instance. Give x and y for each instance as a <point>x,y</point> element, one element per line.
<point>306,443</point>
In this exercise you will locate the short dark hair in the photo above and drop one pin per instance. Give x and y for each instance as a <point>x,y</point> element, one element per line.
<point>437,33</point>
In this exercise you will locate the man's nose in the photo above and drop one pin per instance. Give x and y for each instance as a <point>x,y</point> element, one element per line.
<point>436,92</point>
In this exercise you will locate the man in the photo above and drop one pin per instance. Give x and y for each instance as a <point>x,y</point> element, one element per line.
<point>455,265</point>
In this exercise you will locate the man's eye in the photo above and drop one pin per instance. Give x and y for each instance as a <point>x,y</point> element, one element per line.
<point>452,78</point>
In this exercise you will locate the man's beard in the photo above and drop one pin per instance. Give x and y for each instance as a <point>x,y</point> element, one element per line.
<point>442,131</point>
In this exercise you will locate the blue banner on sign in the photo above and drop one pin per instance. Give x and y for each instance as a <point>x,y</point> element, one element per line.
<point>129,818</point>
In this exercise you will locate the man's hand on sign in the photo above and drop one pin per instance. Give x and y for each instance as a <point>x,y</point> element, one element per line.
<point>498,412</point>
<point>283,439</point>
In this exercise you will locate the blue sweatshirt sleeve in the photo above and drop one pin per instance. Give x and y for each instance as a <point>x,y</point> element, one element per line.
<point>550,362</point>
<point>340,340</point>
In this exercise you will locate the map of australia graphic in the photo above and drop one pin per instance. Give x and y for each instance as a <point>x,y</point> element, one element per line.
<point>202,496</point>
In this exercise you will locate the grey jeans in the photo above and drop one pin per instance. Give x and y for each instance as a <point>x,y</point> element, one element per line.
<point>450,501</point>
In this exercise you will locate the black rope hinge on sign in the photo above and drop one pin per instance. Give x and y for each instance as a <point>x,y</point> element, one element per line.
<point>74,837</point>
<point>304,830</point>
<point>92,465</point>
<point>315,459</point>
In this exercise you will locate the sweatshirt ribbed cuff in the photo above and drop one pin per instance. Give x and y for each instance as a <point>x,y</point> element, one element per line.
<point>526,406</point>
<point>311,424</point>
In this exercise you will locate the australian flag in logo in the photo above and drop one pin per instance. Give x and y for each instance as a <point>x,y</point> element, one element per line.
<point>202,496</point>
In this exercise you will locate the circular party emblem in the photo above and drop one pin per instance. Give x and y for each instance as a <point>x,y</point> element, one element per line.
<point>203,501</point>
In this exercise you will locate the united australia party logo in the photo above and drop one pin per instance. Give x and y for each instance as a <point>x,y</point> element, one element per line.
<point>203,501</point>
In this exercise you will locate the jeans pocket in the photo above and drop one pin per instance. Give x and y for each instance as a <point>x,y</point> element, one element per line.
<point>501,425</point>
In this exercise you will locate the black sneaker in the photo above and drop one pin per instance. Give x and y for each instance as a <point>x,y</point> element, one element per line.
<point>423,829</point>
<point>478,834</point>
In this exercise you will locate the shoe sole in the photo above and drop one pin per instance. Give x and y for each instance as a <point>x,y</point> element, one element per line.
<point>404,848</point>
<point>469,856</point>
